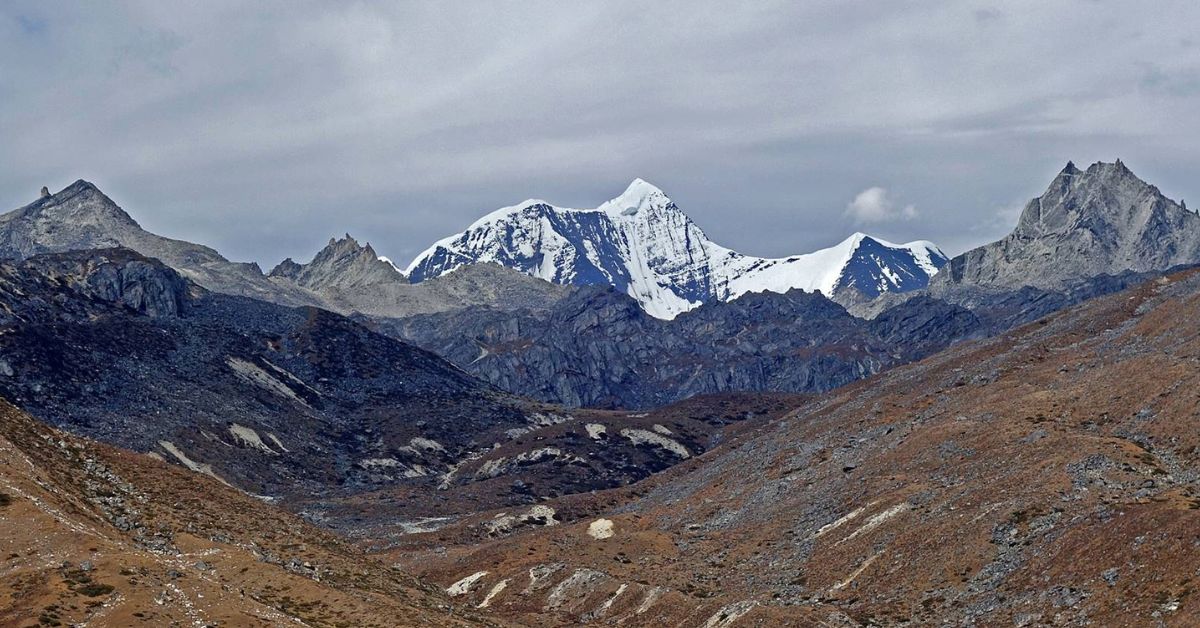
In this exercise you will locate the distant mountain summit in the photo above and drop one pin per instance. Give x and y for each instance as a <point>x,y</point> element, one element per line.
<point>350,277</point>
<point>81,217</point>
<point>343,263</point>
<point>642,244</point>
<point>1103,220</point>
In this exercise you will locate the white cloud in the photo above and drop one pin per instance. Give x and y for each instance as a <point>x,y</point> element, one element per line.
<point>874,205</point>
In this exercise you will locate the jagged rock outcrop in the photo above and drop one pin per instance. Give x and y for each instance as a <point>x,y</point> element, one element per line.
<point>83,286</point>
<point>1103,220</point>
<point>343,264</point>
<point>120,276</point>
<point>643,245</point>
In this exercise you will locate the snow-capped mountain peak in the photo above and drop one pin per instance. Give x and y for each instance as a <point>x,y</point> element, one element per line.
<point>642,244</point>
<point>638,196</point>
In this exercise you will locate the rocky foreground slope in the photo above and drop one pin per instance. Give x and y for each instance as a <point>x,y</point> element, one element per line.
<point>91,535</point>
<point>1048,476</point>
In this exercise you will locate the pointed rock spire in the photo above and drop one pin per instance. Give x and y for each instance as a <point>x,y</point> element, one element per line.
<point>343,263</point>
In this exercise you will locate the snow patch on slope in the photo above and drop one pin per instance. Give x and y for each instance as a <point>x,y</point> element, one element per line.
<point>251,373</point>
<point>600,529</point>
<point>465,584</point>
<point>250,438</point>
<point>192,465</point>
<point>646,437</point>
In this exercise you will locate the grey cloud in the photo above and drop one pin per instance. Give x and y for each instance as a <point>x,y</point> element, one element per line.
<point>31,25</point>
<point>264,129</point>
<point>1179,83</point>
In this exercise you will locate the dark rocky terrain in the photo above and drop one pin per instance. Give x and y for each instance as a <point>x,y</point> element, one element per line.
<point>304,406</point>
<point>279,401</point>
<point>597,348</point>
<point>588,451</point>
<point>1047,476</point>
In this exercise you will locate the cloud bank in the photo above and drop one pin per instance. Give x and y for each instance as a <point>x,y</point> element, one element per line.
<point>263,129</point>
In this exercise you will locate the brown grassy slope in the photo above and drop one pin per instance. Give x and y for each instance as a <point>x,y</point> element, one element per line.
<point>91,534</point>
<point>1047,476</point>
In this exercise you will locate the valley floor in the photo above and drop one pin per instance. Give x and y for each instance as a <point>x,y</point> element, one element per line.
<point>1047,476</point>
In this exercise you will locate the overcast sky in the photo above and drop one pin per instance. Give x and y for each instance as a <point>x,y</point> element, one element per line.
<point>263,130</point>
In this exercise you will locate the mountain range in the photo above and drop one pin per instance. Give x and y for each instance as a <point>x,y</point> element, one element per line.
<point>642,244</point>
<point>1103,220</point>
<point>567,416</point>
<point>532,298</point>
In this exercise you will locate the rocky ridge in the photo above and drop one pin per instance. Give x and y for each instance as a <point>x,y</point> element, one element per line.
<point>598,348</point>
<point>345,276</point>
<point>351,278</point>
<point>81,217</point>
